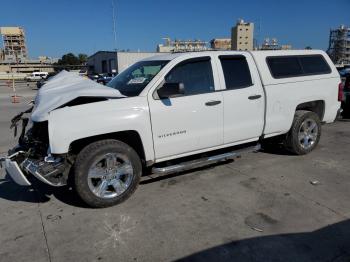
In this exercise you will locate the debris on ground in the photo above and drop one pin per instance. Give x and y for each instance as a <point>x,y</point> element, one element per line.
<point>257,229</point>
<point>315,182</point>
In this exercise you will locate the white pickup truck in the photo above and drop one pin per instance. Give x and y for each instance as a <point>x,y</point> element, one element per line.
<point>171,113</point>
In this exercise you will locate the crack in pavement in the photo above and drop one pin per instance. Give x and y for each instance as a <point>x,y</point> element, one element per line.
<point>43,226</point>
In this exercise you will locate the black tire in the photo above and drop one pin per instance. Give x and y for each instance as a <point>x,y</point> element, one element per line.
<point>89,155</point>
<point>292,143</point>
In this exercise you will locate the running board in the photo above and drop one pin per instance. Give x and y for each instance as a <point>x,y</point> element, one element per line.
<point>205,161</point>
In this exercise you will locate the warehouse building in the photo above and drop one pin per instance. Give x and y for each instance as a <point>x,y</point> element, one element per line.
<point>182,46</point>
<point>220,44</point>
<point>113,61</point>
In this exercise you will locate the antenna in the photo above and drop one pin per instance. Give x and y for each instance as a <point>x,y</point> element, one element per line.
<point>114,26</point>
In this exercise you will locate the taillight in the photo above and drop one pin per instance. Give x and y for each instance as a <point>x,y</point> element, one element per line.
<point>341,92</point>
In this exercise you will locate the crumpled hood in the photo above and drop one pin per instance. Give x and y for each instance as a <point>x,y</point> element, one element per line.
<point>65,87</point>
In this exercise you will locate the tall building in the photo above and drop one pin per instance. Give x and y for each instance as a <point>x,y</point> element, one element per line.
<point>339,45</point>
<point>220,44</point>
<point>242,36</point>
<point>14,44</point>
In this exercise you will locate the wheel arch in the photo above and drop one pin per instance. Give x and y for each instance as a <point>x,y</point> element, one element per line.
<point>317,106</point>
<point>129,137</point>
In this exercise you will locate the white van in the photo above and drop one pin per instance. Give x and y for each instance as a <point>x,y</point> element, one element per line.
<point>35,76</point>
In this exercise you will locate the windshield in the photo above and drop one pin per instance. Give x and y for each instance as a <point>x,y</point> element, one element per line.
<point>134,79</point>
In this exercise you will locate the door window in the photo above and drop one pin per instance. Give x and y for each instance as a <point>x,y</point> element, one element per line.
<point>236,72</point>
<point>195,74</point>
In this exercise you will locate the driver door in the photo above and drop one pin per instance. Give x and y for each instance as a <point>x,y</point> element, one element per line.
<point>192,121</point>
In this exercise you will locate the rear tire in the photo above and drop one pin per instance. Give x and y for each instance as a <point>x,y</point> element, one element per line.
<point>106,173</point>
<point>304,134</point>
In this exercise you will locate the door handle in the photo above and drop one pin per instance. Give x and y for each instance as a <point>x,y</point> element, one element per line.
<point>254,97</point>
<point>212,103</point>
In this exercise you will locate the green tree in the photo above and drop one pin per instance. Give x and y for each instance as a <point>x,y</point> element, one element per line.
<point>82,58</point>
<point>69,59</point>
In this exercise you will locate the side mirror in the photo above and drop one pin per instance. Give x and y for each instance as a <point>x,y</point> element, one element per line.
<point>171,90</point>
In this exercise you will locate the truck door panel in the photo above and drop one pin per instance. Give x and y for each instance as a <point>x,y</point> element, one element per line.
<point>192,121</point>
<point>243,98</point>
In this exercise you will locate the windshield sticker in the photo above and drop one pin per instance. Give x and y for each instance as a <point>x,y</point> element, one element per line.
<point>137,80</point>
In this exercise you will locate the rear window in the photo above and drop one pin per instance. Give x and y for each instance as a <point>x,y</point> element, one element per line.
<point>236,72</point>
<point>314,65</point>
<point>294,66</point>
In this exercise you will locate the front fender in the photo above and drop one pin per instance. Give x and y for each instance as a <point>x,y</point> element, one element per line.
<point>69,124</point>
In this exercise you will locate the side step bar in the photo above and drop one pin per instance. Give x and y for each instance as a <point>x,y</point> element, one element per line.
<point>203,161</point>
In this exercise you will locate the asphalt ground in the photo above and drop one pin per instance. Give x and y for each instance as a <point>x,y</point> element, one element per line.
<point>266,206</point>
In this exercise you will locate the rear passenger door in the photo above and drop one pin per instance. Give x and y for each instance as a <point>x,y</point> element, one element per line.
<point>243,97</point>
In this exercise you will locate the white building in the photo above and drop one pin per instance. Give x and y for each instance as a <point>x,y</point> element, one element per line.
<point>112,61</point>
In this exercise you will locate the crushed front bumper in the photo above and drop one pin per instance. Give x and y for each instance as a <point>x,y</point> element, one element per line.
<point>50,171</point>
<point>14,171</point>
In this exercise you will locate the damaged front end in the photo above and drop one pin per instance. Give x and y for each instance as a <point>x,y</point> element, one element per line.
<point>32,155</point>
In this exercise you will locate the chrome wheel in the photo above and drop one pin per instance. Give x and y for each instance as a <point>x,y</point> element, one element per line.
<point>110,176</point>
<point>308,133</point>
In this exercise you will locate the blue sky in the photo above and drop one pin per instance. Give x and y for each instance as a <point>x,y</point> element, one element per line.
<point>85,26</point>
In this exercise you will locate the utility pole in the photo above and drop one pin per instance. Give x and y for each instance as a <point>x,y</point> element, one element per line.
<point>114,26</point>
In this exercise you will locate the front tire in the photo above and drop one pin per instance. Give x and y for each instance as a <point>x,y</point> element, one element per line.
<point>304,134</point>
<point>106,173</point>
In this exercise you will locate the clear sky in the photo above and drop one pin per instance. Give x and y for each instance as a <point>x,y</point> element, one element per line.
<point>85,26</point>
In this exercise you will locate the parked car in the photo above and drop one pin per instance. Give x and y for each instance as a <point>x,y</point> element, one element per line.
<point>93,76</point>
<point>41,82</point>
<point>346,97</point>
<point>104,78</point>
<point>36,76</point>
<point>172,113</point>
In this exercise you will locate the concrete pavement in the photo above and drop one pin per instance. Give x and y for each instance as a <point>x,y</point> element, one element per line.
<point>263,207</point>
